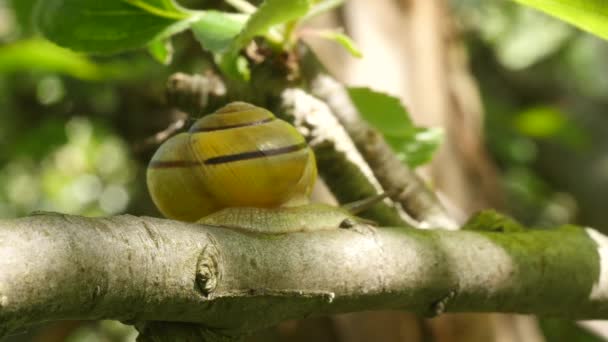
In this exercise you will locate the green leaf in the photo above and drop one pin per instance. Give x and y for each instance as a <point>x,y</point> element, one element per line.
<point>382,111</point>
<point>413,145</point>
<point>234,67</point>
<point>269,14</point>
<point>41,55</point>
<point>109,26</point>
<point>216,30</point>
<point>418,146</point>
<point>161,50</point>
<point>343,40</point>
<point>589,15</point>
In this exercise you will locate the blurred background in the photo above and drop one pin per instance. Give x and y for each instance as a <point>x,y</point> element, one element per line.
<point>522,99</point>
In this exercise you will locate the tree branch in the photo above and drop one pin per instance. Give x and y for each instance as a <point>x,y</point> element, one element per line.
<point>340,163</point>
<point>415,196</point>
<point>55,267</point>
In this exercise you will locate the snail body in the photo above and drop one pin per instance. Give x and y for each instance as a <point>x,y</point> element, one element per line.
<point>239,156</point>
<point>303,218</point>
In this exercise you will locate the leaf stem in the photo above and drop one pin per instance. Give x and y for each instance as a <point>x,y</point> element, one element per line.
<point>288,36</point>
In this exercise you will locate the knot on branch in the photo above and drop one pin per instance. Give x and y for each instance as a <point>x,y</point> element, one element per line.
<point>208,270</point>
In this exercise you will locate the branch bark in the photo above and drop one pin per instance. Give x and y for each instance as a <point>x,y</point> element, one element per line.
<point>55,267</point>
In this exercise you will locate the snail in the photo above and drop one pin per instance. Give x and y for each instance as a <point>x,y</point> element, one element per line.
<point>242,168</point>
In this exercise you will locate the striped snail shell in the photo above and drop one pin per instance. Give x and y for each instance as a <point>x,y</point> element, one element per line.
<point>239,156</point>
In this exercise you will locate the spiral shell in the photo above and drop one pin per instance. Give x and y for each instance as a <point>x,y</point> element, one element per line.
<point>239,156</point>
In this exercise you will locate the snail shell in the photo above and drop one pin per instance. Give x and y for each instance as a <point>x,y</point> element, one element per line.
<point>239,156</point>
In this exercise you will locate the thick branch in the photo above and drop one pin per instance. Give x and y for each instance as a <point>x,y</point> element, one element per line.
<point>137,268</point>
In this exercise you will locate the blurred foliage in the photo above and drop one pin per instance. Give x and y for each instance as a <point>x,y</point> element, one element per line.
<point>38,55</point>
<point>66,137</point>
<point>41,55</point>
<point>78,168</point>
<point>545,95</point>
<point>589,15</point>
<point>544,99</point>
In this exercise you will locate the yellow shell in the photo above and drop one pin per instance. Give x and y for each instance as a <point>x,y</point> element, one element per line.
<point>239,156</point>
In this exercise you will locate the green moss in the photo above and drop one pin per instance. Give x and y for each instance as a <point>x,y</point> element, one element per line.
<point>490,220</point>
<point>542,259</point>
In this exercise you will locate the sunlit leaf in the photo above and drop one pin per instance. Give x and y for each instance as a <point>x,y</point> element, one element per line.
<point>111,25</point>
<point>216,30</point>
<point>589,15</point>
<point>413,145</point>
